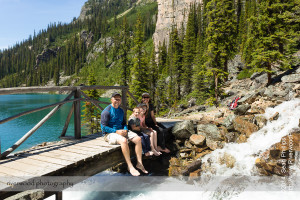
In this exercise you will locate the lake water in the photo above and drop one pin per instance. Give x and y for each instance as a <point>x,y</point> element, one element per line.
<point>12,131</point>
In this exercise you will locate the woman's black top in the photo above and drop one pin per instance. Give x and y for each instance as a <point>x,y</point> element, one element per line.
<point>148,119</point>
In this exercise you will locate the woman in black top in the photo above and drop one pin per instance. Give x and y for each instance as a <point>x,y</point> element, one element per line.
<point>151,122</point>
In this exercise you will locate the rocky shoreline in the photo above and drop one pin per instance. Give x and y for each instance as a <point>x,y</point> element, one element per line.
<point>206,129</point>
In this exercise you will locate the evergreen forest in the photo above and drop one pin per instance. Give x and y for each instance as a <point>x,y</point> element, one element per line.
<point>114,47</point>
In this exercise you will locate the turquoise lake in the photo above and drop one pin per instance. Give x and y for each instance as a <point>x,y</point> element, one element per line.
<point>12,131</point>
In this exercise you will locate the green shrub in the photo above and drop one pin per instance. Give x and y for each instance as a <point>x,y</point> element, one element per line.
<point>245,73</point>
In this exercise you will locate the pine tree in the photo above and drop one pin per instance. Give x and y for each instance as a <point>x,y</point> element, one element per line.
<point>162,76</point>
<point>189,49</point>
<point>91,113</point>
<point>56,76</point>
<point>221,40</point>
<point>274,30</point>
<point>125,60</point>
<point>175,66</point>
<point>247,44</point>
<point>199,78</point>
<point>105,53</point>
<point>139,83</point>
<point>153,73</point>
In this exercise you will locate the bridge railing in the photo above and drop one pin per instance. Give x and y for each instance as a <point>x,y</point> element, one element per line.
<point>78,95</point>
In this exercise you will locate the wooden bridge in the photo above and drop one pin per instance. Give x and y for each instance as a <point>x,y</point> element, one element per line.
<point>80,156</point>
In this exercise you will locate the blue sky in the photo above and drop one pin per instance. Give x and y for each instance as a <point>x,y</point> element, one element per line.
<point>19,18</point>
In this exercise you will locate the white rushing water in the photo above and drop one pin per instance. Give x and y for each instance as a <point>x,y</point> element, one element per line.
<point>239,182</point>
<point>245,154</point>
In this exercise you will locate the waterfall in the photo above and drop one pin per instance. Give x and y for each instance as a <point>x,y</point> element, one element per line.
<point>245,154</point>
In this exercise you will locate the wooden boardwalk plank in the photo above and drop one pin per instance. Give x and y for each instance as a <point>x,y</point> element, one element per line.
<point>14,172</point>
<point>67,155</point>
<point>84,151</point>
<point>35,170</point>
<point>79,151</point>
<point>48,148</point>
<point>39,163</point>
<point>57,155</point>
<point>95,146</point>
<point>52,160</point>
<point>7,180</point>
<point>88,148</point>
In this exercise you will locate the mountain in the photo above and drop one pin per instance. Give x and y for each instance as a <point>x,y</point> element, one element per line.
<point>177,50</point>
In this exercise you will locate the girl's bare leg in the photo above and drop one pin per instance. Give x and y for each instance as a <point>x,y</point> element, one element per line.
<point>152,145</point>
<point>155,141</point>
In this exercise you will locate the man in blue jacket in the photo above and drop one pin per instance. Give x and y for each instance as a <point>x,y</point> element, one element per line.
<point>113,124</point>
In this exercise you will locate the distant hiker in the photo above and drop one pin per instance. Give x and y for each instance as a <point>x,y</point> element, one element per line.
<point>233,104</point>
<point>134,124</point>
<point>113,124</point>
<point>149,131</point>
<point>151,122</point>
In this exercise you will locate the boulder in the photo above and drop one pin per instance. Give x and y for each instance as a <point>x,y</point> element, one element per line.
<point>260,120</point>
<point>255,75</point>
<point>213,145</point>
<point>267,167</point>
<point>218,115</point>
<point>244,126</point>
<point>175,170</point>
<point>289,142</point>
<point>183,130</point>
<point>242,109</point>
<point>203,153</point>
<point>188,144</point>
<point>197,140</point>
<point>227,159</point>
<point>228,122</point>
<point>269,92</point>
<point>256,110</point>
<point>274,117</point>
<point>190,167</point>
<point>248,98</point>
<point>241,139</point>
<point>209,131</point>
<point>174,161</point>
<point>297,87</point>
<point>231,137</point>
<point>200,108</point>
<point>195,174</point>
<point>292,78</point>
<point>230,92</point>
<point>262,78</point>
<point>199,150</point>
<point>275,153</point>
<point>281,93</point>
<point>223,131</point>
<point>192,102</point>
<point>234,67</point>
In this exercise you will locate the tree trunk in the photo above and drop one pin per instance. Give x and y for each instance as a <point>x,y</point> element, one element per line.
<point>226,70</point>
<point>216,88</point>
<point>269,73</point>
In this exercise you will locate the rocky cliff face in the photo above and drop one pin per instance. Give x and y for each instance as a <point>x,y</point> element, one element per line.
<point>170,12</point>
<point>86,8</point>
